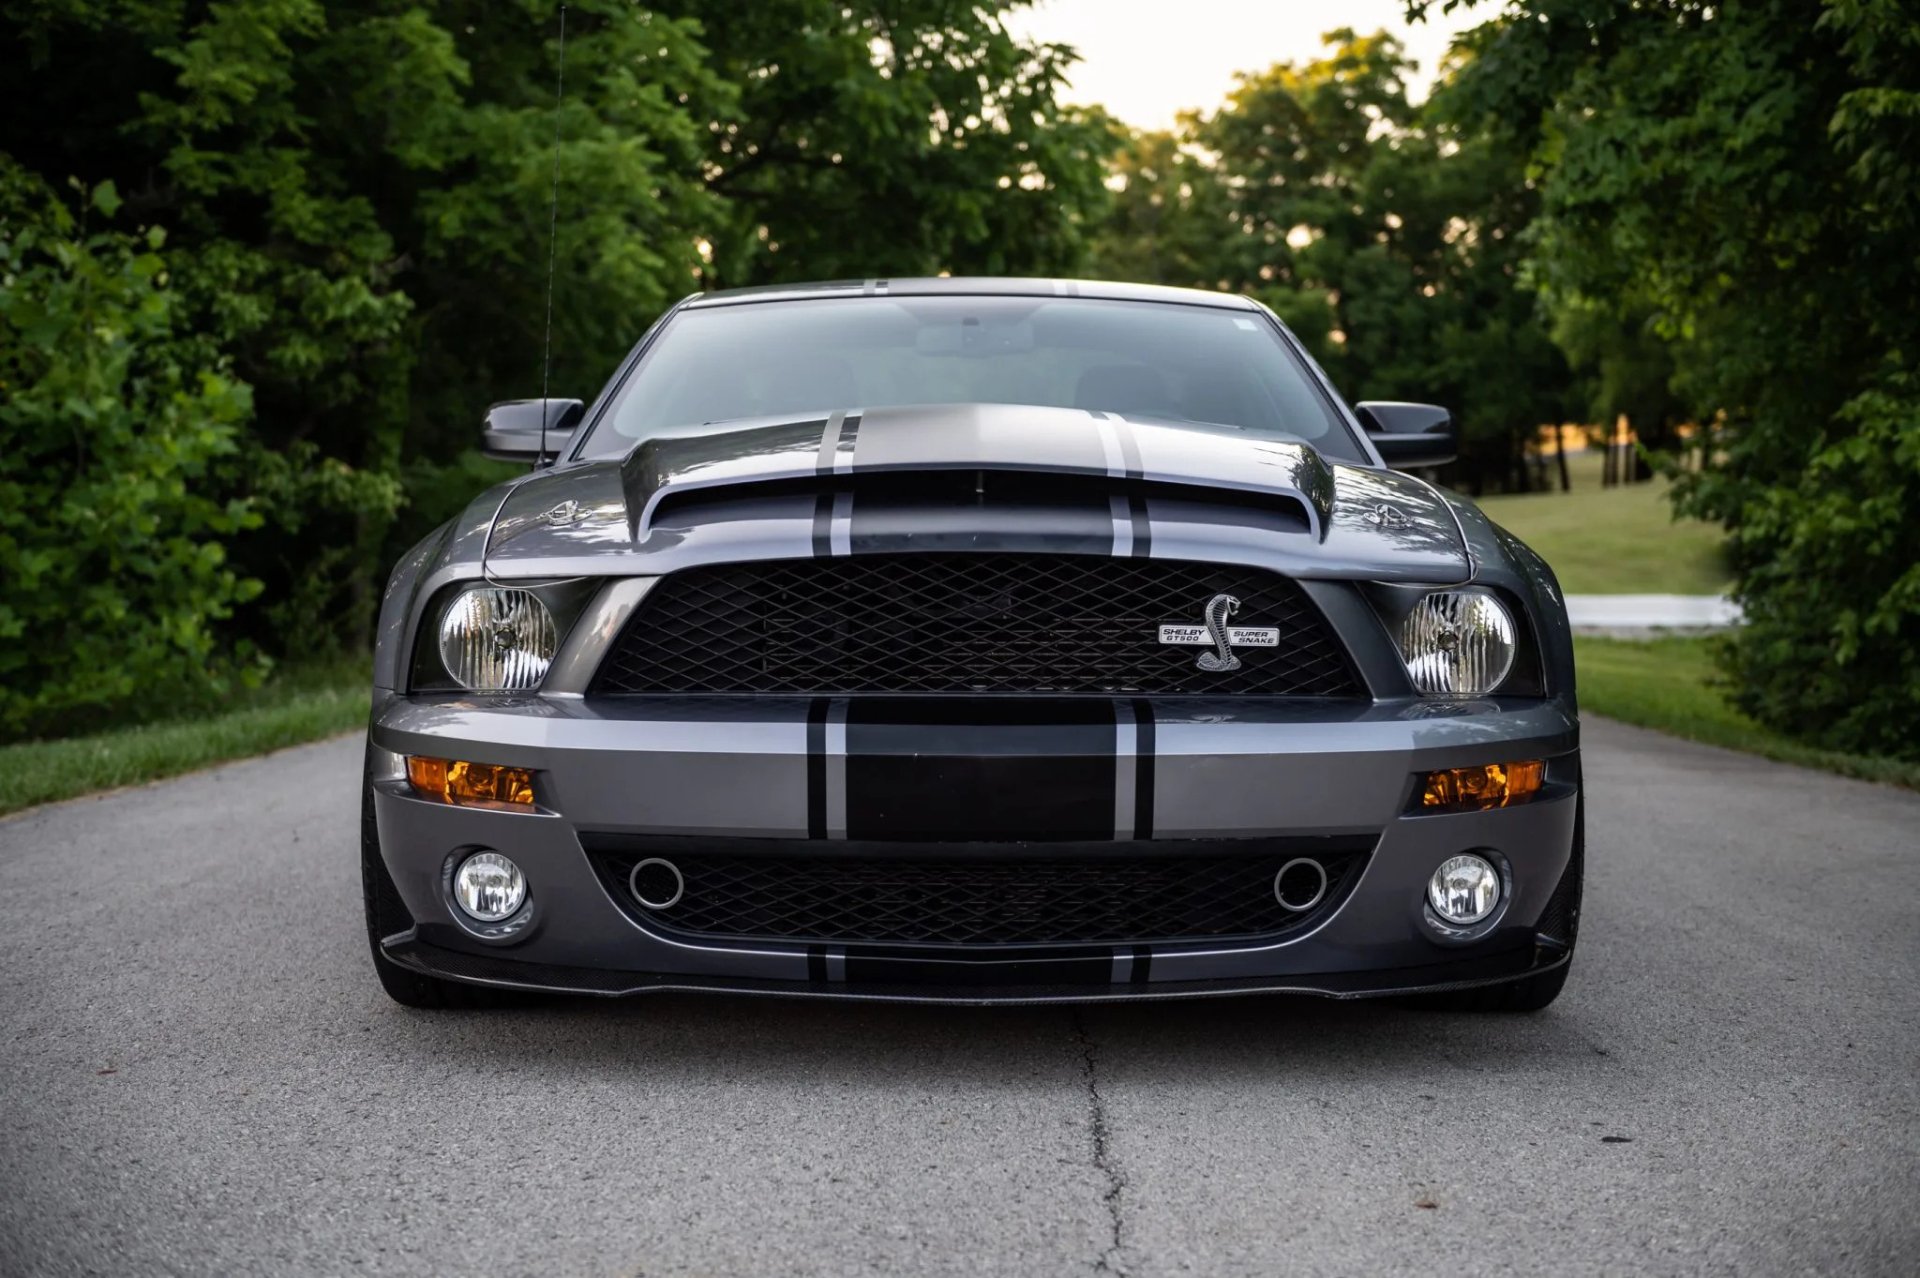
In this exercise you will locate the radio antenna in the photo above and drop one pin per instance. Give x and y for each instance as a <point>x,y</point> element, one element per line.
<point>553,238</point>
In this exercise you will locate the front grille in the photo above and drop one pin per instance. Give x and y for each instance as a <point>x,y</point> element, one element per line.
<point>943,623</point>
<point>852,900</point>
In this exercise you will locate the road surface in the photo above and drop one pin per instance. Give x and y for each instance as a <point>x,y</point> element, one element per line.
<point>199,1075</point>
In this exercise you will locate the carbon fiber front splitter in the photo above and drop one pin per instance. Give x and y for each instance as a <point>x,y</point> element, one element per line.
<point>409,951</point>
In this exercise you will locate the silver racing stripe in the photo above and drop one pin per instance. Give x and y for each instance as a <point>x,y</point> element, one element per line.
<point>1129,449</point>
<point>1145,746</point>
<point>835,750</point>
<point>1132,964</point>
<point>837,440</point>
<point>1132,531</point>
<point>829,443</point>
<point>1126,736</point>
<point>1122,513</point>
<point>840,525</point>
<point>1109,430</point>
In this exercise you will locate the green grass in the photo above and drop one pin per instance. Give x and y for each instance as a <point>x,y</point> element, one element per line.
<point>1670,685</point>
<point>296,705</point>
<point>1614,541</point>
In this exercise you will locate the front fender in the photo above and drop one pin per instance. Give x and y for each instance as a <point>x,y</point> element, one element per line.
<point>397,605</point>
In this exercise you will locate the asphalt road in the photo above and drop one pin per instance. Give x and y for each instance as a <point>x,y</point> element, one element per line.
<point>198,1074</point>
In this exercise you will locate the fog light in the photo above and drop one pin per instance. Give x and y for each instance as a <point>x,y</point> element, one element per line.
<point>489,887</point>
<point>1464,889</point>
<point>457,781</point>
<point>1491,785</point>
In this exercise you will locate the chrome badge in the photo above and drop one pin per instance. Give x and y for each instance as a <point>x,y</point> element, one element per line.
<point>1385,515</point>
<point>1214,632</point>
<point>567,512</point>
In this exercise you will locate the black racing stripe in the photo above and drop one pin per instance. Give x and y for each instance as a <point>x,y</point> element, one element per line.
<point>1075,525</point>
<point>817,768</point>
<point>817,963</point>
<point>993,771</point>
<point>1142,526</point>
<point>823,525</point>
<point>1142,965</point>
<point>849,435</point>
<point>1143,768</point>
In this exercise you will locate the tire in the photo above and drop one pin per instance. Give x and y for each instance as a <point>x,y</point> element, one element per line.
<point>386,914</point>
<point>1530,993</point>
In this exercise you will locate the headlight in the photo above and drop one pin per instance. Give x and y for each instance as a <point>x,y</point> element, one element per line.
<point>497,640</point>
<point>1458,643</point>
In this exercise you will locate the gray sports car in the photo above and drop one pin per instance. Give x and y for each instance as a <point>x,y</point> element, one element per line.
<point>975,641</point>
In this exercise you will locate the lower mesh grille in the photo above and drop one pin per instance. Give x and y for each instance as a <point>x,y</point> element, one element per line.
<point>844,899</point>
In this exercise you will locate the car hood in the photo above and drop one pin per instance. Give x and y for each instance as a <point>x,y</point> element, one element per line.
<point>747,489</point>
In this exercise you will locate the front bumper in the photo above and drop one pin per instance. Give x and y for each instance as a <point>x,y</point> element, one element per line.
<point>804,771</point>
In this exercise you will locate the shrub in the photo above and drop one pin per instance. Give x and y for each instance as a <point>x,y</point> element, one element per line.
<point>118,434</point>
<point>1831,584</point>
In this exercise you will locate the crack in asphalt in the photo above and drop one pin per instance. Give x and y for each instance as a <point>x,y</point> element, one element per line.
<point>1100,1137</point>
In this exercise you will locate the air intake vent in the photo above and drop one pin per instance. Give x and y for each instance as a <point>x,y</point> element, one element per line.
<point>1190,891</point>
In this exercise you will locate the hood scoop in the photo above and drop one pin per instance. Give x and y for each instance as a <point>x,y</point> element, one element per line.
<point>981,489</point>
<point>990,453</point>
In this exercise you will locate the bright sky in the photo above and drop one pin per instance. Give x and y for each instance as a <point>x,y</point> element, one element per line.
<point>1144,60</point>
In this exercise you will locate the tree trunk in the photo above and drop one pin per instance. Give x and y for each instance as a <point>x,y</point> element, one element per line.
<point>1560,455</point>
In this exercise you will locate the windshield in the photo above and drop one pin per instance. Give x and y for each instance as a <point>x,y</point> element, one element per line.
<point>809,358</point>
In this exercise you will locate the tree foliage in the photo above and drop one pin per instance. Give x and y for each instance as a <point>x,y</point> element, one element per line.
<point>118,422</point>
<point>1389,237</point>
<point>358,195</point>
<point>1743,180</point>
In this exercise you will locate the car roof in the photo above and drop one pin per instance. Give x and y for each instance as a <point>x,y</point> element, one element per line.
<point>973,286</point>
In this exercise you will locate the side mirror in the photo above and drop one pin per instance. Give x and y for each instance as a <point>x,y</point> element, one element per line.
<point>1410,436</point>
<point>512,431</point>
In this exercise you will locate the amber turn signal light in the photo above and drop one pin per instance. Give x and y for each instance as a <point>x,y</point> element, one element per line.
<point>457,781</point>
<point>1491,785</point>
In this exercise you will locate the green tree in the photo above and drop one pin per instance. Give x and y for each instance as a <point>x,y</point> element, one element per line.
<point>359,197</point>
<point>1390,239</point>
<point>1745,174</point>
<point>901,138</point>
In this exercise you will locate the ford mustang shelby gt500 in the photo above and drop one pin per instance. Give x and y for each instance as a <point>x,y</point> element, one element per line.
<point>974,640</point>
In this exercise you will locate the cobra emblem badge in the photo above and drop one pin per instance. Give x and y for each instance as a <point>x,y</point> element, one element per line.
<point>1385,515</point>
<point>1219,608</point>
<point>1216,634</point>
